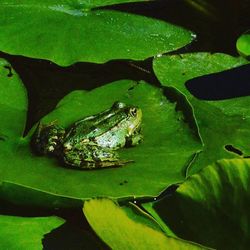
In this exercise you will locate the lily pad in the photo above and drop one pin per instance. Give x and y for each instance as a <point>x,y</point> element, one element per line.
<point>223,125</point>
<point>13,103</point>
<point>170,143</point>
<point>211,207</point>
<point>129,228</point>
<point>243,44</point>
<point>25,232</point>
<point>66,32</point>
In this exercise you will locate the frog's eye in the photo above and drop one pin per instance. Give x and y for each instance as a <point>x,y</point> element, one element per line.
<point>133,111</point>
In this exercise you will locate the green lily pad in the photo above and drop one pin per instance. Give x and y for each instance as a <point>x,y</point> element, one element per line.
<point>13,103</point>
<point>223,125</point>
<point>170,143</point>
<point>211,207</point>
<point>24,233</point>
<point>66,32</point>
<point>243,44</point>
<point>129,228</point>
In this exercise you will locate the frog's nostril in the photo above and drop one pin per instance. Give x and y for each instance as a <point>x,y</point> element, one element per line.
<point>119,105</point>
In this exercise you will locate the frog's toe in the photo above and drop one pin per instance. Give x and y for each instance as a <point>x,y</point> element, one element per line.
<point>113,164</point>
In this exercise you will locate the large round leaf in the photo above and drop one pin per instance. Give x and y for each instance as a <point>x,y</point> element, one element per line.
<point>13,103</point>
<point>66,32</point>
<point>25,233</point>
<point>223,125</point>
<point>129,228</point>
<point>170,143</point>
<point>211,207</point>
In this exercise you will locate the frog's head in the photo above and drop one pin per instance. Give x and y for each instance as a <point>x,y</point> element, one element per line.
<point>132,116</point>
<point>134,119</point>
<point>47,138</point>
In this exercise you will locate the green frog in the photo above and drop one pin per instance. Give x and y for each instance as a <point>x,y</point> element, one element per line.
<point>93,141</point>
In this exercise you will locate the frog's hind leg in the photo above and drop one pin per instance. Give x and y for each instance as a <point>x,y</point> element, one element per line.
<point>47,138</point>
<point>107,158</point>
<point>91,156</point>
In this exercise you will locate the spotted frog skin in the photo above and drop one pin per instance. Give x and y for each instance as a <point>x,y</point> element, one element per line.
<point>93,141</point>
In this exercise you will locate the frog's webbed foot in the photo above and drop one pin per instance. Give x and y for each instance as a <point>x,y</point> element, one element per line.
<point>134,140</point>
<point>92,157</point>
<point>47,138</point>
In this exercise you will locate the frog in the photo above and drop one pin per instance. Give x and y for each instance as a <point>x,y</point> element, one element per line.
<point>93,141</point>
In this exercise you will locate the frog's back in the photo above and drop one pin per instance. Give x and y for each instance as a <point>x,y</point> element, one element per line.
<point>92,127</point>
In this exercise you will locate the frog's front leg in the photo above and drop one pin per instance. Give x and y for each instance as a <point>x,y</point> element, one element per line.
<point>134,140</point>
<point>91,156</point>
